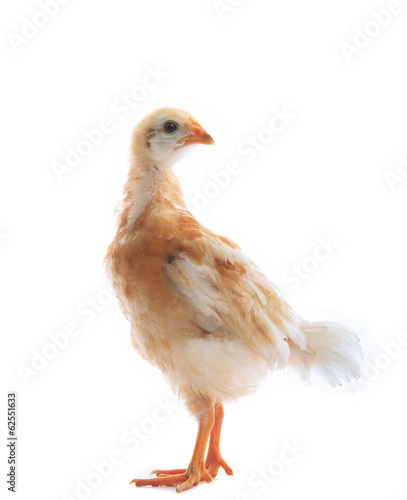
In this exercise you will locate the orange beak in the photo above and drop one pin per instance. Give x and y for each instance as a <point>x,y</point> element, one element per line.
<point>199,136</point>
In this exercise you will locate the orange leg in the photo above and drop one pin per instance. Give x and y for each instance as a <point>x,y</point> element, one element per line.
<point>214,459</point>
<point>196,472</point>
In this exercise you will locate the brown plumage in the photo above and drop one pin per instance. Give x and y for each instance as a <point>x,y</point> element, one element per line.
<point>199,309</point>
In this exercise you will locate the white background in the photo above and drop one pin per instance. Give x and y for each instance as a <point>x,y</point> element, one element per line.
<point>325,176</point>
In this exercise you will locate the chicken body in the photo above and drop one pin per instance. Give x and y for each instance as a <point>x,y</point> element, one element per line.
<point>199,309</point>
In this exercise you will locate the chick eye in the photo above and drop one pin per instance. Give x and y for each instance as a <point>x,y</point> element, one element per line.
<point>170,127</point>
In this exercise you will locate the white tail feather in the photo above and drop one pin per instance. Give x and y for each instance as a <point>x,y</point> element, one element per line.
<point>333,352</point>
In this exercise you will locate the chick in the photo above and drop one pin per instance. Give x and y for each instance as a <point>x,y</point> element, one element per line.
<point>200,310</point>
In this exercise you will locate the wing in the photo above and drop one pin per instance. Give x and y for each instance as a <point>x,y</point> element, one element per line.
<point>230,297</point>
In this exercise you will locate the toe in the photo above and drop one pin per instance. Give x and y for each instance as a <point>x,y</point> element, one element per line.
<point>226,468</point>
<point>173,480</point>
<point>168,472</point>
<point>214,463</point>
<point>193,480</point>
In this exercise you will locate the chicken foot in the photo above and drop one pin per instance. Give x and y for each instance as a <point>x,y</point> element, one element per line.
<point>196,472</point>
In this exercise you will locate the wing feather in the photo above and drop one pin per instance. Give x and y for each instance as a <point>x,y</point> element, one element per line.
<point>229,297</point>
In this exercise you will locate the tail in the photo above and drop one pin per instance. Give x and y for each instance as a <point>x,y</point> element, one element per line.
<point>330,350</point>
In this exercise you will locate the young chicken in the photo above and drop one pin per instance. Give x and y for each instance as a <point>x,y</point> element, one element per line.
<point>199,309</point>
